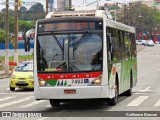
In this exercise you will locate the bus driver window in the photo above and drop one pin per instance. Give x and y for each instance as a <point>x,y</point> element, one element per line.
<point>109,46</point>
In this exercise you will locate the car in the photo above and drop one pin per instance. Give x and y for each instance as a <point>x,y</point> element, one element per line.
<point>141,42</point>
<point>150,43</point>
<point>22,76</point>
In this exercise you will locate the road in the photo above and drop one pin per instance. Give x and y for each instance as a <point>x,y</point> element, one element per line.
<point>146,94</point>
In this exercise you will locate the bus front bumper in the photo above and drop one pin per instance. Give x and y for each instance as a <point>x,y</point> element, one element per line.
<point>81,92</point>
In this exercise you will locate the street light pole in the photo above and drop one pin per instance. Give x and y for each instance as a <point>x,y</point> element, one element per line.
<point>46,7</point>
<point>16,32</point>
<point>7,41</point>
<point>141,25</point>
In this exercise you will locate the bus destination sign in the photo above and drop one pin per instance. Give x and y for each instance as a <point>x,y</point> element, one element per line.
<point>70,26</point>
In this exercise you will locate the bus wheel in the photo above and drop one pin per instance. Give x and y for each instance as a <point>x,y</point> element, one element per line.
<point>129,92</point>
<point>54,103</point>
<point>114,100</point>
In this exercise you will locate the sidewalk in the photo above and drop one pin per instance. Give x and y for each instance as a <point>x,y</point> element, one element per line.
<point>3,75</point>
<point>140,47</point>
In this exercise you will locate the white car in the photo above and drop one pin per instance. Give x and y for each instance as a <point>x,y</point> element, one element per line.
<point>140,42</point>
<point>150,43</point>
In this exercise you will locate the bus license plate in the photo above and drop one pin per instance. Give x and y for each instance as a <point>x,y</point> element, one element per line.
<point>69,91</point>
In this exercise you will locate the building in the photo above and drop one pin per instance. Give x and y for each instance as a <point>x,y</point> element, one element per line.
<point>63,5</point>
<point>51,5</point>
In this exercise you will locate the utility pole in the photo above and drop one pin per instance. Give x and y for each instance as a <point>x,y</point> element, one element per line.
<point>7,40</point>
<point>125,14</point>
<point>16,32</point>
<point>46,7</point>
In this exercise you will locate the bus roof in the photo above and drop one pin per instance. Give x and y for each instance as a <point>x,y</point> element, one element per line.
<point>90,15</point>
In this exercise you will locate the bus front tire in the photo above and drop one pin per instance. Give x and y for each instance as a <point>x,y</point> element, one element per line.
<point>129,92</point>
<point>114,100</point>
<point>54,103</point>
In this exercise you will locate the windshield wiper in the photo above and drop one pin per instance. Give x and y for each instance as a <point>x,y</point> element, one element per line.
<point>61,47</point>
<point>79,41</point>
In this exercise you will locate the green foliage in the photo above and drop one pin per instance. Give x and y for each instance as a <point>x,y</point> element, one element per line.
<point>24,25</point>
<point>140,16</point>
<point>2,36</point>
<point>35,13</point>
<point>20,58</point>
<point>37,8</point>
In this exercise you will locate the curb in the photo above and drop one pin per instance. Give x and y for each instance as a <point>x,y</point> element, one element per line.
<point>139,48</point>
<point>3,75</point>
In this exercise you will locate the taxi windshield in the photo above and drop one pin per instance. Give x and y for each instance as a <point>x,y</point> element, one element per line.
<point>25,67</point>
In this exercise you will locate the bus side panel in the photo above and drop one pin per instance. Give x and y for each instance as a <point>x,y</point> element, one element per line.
<point>37,93</point>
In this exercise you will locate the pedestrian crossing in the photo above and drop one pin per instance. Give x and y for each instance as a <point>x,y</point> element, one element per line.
<point>138,101</point>
<point>29,102</point>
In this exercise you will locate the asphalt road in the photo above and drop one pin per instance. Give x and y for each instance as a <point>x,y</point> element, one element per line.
<point>146,96</point>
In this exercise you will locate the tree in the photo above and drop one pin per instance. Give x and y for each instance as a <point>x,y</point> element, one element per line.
<point>2,36</point>
<point>24,25</point>
<point>36,8</point>
<point>1,21</point>
<point>140,16</point>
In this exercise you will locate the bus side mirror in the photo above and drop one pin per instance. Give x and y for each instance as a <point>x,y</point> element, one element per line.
<point>26,42</point>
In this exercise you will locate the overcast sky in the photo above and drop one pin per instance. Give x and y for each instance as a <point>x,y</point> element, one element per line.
<point>74,2</point>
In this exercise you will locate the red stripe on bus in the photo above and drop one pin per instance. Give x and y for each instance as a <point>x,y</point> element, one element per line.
<point>69,76</point>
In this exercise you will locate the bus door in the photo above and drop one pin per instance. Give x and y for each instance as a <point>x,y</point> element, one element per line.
<point>109,54</point>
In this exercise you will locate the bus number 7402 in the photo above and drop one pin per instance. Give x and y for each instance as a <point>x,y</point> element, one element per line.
<point>80,81</point>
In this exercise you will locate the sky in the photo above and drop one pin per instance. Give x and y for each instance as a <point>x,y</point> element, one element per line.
<point>74,2</point>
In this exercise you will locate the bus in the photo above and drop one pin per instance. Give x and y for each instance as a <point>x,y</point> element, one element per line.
<point>83,55</point>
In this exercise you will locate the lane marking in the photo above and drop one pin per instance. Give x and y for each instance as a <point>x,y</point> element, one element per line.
<point>15,102</point>
<point>6,98</point>
<point>60,111</point>
<point>32,104</point>
<point>138,101</point>
<point>12,93</point>
<point>4,85</point>
<point>43,118</point>
<point>146,89</point>
<point>143,74</point>
<point>47,106</point>
<point>157,104</point>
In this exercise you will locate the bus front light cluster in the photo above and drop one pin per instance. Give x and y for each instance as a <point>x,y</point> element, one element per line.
<point>96,82</point>
<point>42,82</point>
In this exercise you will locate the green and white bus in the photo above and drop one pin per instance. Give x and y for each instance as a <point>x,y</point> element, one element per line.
<point>83,55</point>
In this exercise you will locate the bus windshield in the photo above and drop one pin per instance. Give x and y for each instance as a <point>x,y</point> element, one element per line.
<point>67,52</point>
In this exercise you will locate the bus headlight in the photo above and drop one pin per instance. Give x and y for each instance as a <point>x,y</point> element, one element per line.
<point>42,82</point>
<point>97,81</point>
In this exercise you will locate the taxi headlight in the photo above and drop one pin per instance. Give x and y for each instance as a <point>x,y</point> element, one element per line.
<point>13,76</point>
<point>31,77</point>
<point>96,82</point>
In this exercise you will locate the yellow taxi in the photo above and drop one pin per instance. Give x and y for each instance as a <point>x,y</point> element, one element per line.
<point>22,76</point>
